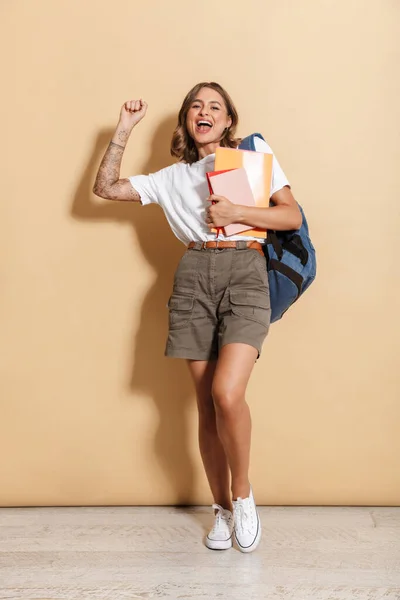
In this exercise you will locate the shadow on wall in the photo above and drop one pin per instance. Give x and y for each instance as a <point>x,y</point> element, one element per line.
<point>166,381</point>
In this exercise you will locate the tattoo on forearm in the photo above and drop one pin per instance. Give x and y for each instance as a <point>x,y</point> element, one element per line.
<point>119,145</point>
<point>123,136</point>
<point>108,184</point>
<point>109,167</point>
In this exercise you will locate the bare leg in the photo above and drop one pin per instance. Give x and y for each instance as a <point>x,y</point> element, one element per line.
<point>234,367</point>
<point>211,449</point>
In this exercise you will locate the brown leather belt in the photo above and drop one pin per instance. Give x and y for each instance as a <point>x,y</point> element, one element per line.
<point>222,244</point>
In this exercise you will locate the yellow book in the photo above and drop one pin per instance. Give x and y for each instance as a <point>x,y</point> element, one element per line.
<point>258,166</point>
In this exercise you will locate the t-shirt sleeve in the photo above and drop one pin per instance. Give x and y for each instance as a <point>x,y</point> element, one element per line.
<point>148,187</point>
<point>279,179</point>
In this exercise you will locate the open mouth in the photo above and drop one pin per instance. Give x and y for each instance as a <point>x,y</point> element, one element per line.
<point>203,126</point>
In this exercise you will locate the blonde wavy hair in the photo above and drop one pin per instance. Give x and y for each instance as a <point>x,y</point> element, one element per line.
<point>182,144</point>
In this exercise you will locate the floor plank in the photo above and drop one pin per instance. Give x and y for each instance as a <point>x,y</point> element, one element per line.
<point>112,553</point>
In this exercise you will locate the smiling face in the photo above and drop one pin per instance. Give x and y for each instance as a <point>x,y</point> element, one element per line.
<point>207,118</point>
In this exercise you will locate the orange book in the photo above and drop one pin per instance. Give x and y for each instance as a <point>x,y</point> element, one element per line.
<point>258,166</point>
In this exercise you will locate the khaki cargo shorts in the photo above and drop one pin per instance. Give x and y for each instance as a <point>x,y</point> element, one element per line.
<point>219,296</point>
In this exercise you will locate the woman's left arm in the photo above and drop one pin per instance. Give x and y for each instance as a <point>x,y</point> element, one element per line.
<point>285,215</point>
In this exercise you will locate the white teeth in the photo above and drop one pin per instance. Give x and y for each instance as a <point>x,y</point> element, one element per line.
<point>203,123</point>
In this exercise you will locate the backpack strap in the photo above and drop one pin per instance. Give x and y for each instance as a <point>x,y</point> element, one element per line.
<point>248,143</point>
<point>272,239</point>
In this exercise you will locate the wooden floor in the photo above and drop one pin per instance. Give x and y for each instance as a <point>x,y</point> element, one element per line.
<point>324,553</point>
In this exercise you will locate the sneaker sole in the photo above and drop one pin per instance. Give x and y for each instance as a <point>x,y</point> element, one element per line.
<point>256,541</point>
<point>219,544</point>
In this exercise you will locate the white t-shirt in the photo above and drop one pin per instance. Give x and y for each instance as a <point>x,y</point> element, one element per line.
<point>182,191</point>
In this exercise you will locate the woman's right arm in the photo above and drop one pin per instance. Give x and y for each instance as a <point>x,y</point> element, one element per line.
<point>108,185</point>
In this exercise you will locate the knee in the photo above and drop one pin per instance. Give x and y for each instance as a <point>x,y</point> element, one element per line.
<point>226,399</point>
<point>206,408</point>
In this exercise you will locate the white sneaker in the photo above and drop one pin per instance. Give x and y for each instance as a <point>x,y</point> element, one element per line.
<point>220,536</point>
<point>247,523</point>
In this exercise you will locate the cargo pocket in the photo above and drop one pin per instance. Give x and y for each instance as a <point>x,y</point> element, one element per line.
<point>252,305</point>
<point>180,310</point>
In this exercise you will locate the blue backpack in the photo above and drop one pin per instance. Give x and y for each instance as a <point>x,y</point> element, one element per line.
<point>290,258</point>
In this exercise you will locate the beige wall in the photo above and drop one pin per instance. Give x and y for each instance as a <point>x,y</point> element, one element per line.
<point>91,411</point>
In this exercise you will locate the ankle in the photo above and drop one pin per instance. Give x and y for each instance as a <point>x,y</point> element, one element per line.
<point>227,505</point>
<point>240,490</point>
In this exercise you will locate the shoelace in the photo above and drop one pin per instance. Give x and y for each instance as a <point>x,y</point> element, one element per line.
<point>243,517</point>
<point>221,515</point>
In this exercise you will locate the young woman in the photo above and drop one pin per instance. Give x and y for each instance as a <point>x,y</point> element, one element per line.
<point>219,309</point>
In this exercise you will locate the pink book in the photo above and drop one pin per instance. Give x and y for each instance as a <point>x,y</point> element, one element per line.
<point>235,186</point>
